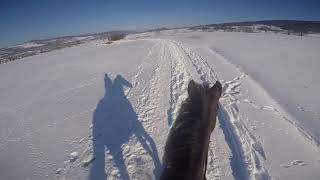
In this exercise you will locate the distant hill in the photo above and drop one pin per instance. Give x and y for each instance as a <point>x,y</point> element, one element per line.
<point>284,25</point>
<point>34,47</point>
<point>45,45</point>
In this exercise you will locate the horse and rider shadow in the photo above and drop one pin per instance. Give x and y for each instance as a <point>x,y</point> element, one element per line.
<point>114,122</point>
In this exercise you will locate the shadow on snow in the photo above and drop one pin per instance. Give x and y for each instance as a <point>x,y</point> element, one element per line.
<point>114,122</point>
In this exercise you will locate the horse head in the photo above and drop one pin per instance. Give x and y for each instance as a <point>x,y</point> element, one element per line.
<point>186,149</point>
<point>208,97</point>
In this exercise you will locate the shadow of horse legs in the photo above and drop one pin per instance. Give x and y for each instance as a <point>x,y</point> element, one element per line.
<point>151,150</point>
<point>98,166</point>
<point>116,153</point>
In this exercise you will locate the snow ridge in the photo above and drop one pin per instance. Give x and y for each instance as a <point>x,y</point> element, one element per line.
<point>280,112</point>
<point>297,125</point>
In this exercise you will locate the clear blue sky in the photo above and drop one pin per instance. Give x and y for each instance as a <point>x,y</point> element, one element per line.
<point>22,20</point>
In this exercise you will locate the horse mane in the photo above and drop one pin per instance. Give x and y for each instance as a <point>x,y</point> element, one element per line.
<point>184,146</point>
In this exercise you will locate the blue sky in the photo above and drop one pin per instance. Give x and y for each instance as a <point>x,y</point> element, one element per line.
<point>23,20</point>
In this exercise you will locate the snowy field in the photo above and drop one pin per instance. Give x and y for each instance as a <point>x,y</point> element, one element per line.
<point>97,111</point>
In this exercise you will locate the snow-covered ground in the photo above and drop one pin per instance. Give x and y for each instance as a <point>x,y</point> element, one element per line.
<point>29,45</point>
<point>97,111</point>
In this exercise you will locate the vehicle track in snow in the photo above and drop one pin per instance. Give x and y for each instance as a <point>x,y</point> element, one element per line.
<point>179,80</point>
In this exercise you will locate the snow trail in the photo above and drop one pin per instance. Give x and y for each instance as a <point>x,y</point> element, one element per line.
<point>179,80</point>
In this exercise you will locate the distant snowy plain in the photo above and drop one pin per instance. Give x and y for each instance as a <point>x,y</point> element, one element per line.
<point>103,111</point>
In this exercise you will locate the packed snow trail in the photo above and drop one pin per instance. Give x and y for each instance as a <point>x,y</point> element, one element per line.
<point>179,79</point>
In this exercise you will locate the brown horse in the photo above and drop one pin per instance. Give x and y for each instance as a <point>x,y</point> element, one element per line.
<point>186,149</point>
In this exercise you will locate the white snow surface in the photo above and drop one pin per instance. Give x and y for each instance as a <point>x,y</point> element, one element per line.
<point>29,45</point>
<point>97,111</point>
<point>83,37</point>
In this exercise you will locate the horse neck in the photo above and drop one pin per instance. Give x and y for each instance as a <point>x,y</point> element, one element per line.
<point>204,114</point>
<point>191,118</point>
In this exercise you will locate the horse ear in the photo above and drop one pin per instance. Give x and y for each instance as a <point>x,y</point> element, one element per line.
<point>192,86</point>
<point>216,89</point>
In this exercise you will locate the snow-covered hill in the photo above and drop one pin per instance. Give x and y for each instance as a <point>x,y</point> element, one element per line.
<point>96,111</point>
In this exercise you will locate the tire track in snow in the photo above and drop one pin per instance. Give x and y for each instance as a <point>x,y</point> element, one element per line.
<point>204,70</point>
<point>151,90</point>
<point>179,80</point>
<point>138,160</point>
<point>248,153</point>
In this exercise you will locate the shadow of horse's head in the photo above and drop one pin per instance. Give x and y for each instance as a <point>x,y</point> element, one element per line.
<point>120,80</point>
<point>117,85</point>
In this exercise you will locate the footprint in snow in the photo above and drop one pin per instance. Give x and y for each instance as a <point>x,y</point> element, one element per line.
<point>294,163</point>
<point>299,163</point>
<point>285,165</point>
<point>73,156</point>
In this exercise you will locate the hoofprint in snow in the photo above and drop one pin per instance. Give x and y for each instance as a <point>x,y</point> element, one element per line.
<point>255,138</point>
